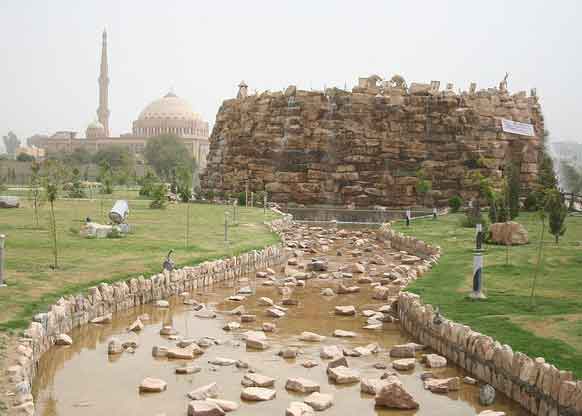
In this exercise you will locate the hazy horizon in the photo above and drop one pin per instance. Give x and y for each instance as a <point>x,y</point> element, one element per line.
<point>51,53</point>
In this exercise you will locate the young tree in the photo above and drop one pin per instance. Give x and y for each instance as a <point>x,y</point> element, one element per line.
<point>52,183</point>
<point>35,190</point>
<point>513,189</point>
<point>423,185</point>
<point>557,212</point>
<point>542,217</point>
<point>11,143</point>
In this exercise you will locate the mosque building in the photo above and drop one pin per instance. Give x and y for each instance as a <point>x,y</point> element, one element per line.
<point>169,114</point>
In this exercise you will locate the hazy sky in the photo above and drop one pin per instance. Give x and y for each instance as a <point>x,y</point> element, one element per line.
<point>50,51</point>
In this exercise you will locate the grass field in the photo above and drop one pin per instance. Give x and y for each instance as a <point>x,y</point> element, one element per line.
<point>552,328</point>
<point>32,284</point>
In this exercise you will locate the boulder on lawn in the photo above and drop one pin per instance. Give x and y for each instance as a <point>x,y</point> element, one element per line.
<point>508,233</point>
<point>9,202</point>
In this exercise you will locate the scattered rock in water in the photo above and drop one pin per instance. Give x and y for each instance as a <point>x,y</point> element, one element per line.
<point>105,319</point>
<point>309,364</point>
<point>63,339</point>
<point>257,380</point>
<point>144,317</point>
<point>343,375</point>
<point>168,330</point>
<point>289,352</point>
<point>293,261</point>
<point>256,343</point>
<point>221,361</point>
<point>486,395</point>
<point>371,385</point>
<point>404,364</point>
<point>327,292</point>
<point>159,351</point>
<point>257,394</point>
<point>442,385</point>
<point>152,385</point>
<point>261,275</point>
<point>311,337</point>
<point>435,361</point>
<point>275,313</point>
<point>225,405</point>
<point>239,310</point>
<point>340,333</point>
<point>393,396</point>
<point>365,280</point>
<point>345,310</point>
<point>319,401</point>
<point>469,380</point>
<point>187,369</point>
<point>204,408</point>
<point>317,265</point>
<point>381,293</point>
<point>231,326</point>
<point>373,326</point>
<point>358,268</point>
<point>380,366</point>
<point>425,375</point>
<point>491,413</point>
<point>237,298</point>
<point>242,364</point>
<point>290,302</point>
<point>269,327</point>
<point>245,290</point>
<point>254,334</point>
<point>301,385</point>
<point>204,392</point>
<point>136,326</point>
<point>367,350</point>
<point>264,301</point>
<point>114,347</point>
<point>403,351</point>
<point>299,409</point>
<point>248,318</point>
<point>330,351</point>
<point>388,374</point>
<point>346,290</point>
<point>180,353</point>
<point>162,304</point>
<point>205,314</point>
<point>337,362</point>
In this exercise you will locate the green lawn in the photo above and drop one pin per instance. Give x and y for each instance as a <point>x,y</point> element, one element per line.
<point>32,284</point>
<point>551,329</point>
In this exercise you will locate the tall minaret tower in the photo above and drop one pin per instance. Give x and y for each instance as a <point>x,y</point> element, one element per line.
<point>103,110</point>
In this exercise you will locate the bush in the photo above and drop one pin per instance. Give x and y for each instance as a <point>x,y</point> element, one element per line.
<point>532,202</point>
<point>159,197</point>
<point>241,199</point>
<point>455,203</point>
<point>470,221</point>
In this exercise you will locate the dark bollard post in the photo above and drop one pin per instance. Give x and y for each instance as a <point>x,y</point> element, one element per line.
<point>407,217</point>
<point>2,240</point>
<point>434,213</point>
<point>477,292</point>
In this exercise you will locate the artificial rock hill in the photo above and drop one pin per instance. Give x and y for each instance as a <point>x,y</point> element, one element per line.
<point>367,146</point>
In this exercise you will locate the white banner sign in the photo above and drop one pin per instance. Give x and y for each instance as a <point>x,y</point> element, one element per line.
<point>516,127</point>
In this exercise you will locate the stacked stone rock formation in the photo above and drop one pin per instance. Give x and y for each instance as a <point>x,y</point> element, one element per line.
<point>366,147</point>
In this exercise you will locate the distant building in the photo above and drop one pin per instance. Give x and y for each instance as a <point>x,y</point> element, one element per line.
<point>169,114</point>
<point>33,151</point>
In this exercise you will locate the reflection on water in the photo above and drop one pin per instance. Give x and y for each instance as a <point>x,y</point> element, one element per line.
<point>83,380</point>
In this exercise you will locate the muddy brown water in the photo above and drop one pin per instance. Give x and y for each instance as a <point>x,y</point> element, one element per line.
<point>83,380</point>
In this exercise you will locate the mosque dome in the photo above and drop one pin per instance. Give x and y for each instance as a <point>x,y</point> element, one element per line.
<point>95,129</point>
<point>169,107</point>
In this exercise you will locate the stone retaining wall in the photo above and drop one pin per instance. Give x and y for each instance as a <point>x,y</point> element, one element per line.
<point>536,385</point>
<point>73,311</point>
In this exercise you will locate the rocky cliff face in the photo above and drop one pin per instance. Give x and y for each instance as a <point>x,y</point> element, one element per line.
<point>366,147</point>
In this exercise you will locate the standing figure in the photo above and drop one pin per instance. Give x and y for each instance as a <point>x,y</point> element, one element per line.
<point>168,262</point>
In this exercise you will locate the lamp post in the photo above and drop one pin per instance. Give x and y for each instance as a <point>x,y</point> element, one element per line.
<point>2,240</point>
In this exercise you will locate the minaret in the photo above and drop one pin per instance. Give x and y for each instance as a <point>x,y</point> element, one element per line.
<point>103,111</point>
